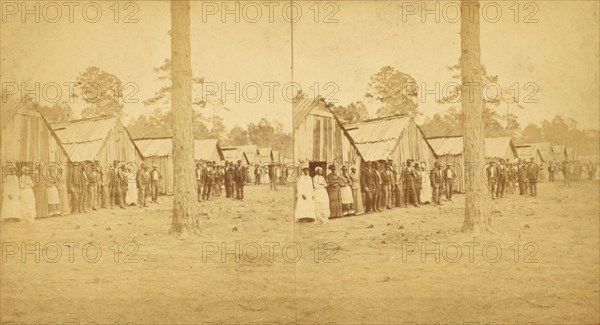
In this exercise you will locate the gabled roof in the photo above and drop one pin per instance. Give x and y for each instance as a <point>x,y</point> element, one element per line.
<point>376,139</point>
<point>9,109</point>
<point>233,154</point>
<point>208,149</point>
<point>84,138</point>
<point>265,155</point>
<point>494,147</point>
<point>545,149</point>
<point>13,104</point>
<point>528,151</point>
<point>301,108</point>
<point>251,152</point>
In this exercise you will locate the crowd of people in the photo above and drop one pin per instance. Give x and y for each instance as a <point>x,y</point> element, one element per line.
<point>273,174</point>
<point>212,177</point>
<point>381,185</point>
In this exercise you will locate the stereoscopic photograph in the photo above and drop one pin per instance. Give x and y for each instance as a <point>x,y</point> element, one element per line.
<point>300,162</point>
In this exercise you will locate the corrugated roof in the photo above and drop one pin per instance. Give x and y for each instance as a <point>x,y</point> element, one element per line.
<point>447,145</point>
<point>527,151</point>
<point>83,139</point>
<point>494,147</point>
<point>207,149</point>
<point>160,147</point>
<point>376,139</point>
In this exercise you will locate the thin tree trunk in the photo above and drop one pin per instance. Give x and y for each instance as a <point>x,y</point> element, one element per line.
<point>185,207</point>
<point>477,200</point>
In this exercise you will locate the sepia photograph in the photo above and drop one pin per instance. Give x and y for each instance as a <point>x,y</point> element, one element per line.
<point>300,162</point>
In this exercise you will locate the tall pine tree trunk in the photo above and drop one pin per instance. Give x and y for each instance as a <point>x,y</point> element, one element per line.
<point>477,200</point>
<point>185,206</point>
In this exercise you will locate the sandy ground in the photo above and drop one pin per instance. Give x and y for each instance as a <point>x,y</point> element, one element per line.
<point>542,267</point>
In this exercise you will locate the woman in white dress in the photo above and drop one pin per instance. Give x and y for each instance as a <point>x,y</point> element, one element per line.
<point>11,196</point>
<point>426,193</point>
<point>28,210</point>
<point>131,198</point>
<point>305,194</point>
<point>321,196</point>
<point>52,191</point>
<point>346,192</point>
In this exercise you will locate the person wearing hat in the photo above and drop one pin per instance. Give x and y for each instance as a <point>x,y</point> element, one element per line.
<point>386,185</point>
<point>522,177</point>
<point>305,196</point>
<point>375,186</point>
<point>229,179</point>
<point>492,177</point>
<point>155,178</point>
<point>436,178</point>
<point>219,176</point>
<point>418,181</point>
<point>365,185</point>
<point>502,179</point>
<point>449,179</point>
<point>511,178</point>
<point>114,187</point>
<point>240,180</point>
<point>123,182</point>
<point>142,182</point>
<point>356,192</point>
<point>208,181</point>
<point>533,173</point>
<point>334,183</point>
<point>408,178</point>
<point>346,192</point>
<point>322,212</point>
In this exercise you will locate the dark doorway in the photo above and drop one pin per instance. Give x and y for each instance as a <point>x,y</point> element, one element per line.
<point>314,164</point>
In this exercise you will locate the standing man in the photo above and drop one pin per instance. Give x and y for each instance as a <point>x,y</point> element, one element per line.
<point>522,176</point>
<point>101,182</point>
<point>511,175</point>
<point>492,176</point>
<point>257,175</point>
<point>209,180</point>
<point>385,187</point>
<point>74,186</point>
<point>123,180</point>
<point>501,179</point>
<point>229,179</point>
<point>142,180</point>
<point>365,184</point>
<point>417,179</point>
<point>437,183</point>
<point>376,186</point>
<point>551,171</point>
<point>449,179</point>
<point>410,194</point>
<point>533,174</point>
<point>240,180</point>
<point>83,194</point>
<point>155,178</point>
<point>114,186</point>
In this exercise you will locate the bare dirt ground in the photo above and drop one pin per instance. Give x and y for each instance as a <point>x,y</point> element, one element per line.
<point>542,268</point>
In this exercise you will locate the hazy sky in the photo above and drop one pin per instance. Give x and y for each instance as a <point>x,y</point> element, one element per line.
<point>343,43</point>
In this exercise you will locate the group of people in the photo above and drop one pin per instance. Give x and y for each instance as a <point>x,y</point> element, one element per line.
<point>27,194</point>
<point>211,177</point>
<point>503,177</point>
<point>380,185</point>
<point>91,188</point>
<point>273,174</point>
<point>568,171</point>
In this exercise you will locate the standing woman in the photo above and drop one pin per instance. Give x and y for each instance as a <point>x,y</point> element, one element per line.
<point>334,182</point>
<point>356,192</point>
<point>426,193</point>
<point>28,212</point>
<point>321,196</point>
<point>52,190</point>
<point>11,196</point>
<point>346,192</point>
<point>40,192</point>
<point>305,194</point>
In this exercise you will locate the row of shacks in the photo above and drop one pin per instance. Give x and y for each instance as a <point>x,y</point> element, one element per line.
<point>29,140</point>
<point>322,139</point>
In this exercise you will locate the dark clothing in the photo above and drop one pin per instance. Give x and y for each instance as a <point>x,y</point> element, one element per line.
<point>240,181</point>
<point>335,197</point>
<point>410,193</point>
<point>365,184</point>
